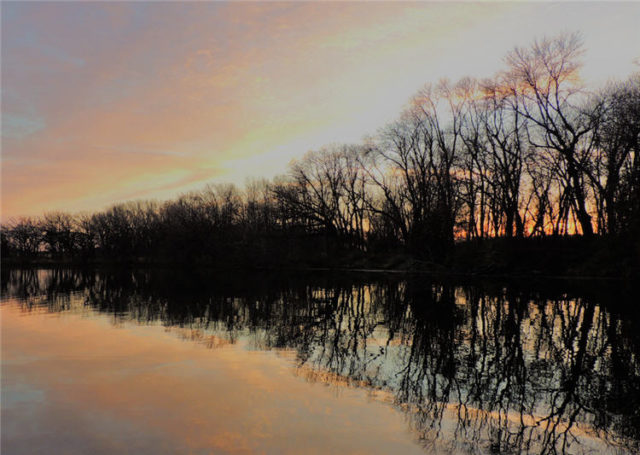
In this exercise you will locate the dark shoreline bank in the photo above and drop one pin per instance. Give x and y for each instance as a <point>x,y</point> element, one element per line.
<point>550,257</point>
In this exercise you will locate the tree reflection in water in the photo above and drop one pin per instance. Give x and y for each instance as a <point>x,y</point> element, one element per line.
<point>475,369</point>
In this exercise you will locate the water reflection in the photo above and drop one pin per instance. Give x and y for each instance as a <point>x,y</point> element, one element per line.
<point>474,368</point>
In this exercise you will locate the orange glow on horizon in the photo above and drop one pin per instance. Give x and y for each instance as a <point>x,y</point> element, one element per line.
<point>103,103</point>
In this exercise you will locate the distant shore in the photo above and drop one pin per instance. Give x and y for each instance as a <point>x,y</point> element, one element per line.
<point>571,257</point>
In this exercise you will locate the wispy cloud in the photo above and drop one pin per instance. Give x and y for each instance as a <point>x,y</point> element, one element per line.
<point>105,101</point>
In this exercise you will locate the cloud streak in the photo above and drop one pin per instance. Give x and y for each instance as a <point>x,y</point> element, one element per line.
<point>103,102</point>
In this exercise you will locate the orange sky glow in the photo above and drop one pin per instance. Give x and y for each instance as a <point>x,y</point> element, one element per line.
<point>108,102</point>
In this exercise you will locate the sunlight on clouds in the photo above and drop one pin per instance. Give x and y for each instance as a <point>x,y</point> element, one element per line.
<point>186,94</point>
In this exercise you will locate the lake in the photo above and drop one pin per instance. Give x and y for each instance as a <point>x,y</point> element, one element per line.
<point>169,361</point>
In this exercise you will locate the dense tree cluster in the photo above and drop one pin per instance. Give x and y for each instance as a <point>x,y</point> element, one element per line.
<point>529,152</point>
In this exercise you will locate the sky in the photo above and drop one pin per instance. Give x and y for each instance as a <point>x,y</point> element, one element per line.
<point>109,102</point>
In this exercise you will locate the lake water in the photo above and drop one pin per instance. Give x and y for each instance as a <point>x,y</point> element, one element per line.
<point>164,361</point>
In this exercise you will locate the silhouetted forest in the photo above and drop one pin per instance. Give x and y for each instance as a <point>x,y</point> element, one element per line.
<point>474,170</point>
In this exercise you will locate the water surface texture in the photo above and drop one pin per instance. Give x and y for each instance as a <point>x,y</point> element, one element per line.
<point>207,362</point>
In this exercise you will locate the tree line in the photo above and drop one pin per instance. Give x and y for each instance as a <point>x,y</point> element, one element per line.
<point>530,152</point>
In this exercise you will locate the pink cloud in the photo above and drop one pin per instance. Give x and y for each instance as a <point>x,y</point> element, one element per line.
<point>135,89</point>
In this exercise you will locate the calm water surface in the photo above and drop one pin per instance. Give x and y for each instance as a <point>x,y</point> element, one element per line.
<point>153,362</point>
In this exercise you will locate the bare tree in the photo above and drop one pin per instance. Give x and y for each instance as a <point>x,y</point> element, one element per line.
<point>544,88</point>
<point>614,170</point>
<point>328,193</point>
<point>494,158</point>
<point>413,165</point>
<point>24,235</point>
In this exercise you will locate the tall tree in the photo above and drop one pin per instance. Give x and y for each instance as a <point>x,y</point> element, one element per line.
<point>543,81</point>
<point>615,168</point>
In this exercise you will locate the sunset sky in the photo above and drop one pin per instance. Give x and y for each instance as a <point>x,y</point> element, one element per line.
<point>107,102</point>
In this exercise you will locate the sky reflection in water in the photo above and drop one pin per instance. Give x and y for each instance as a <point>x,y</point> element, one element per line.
<point>163,362</point>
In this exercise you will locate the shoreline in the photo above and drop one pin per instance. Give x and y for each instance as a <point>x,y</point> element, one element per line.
<point>442,273</point>
<point>612,258</point>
